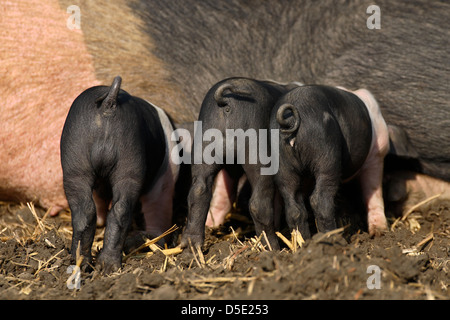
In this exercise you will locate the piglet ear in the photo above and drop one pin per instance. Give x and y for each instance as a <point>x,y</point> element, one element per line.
<point>109,99</point>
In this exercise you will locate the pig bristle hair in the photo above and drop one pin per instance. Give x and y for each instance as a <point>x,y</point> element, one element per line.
<point>218,95</point>
<point>285,125</point>
<point>113,92</point>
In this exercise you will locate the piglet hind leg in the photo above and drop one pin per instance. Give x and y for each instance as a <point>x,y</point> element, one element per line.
<point>322,201</point>
<point>295,209</point>
<point>371,174</point>
<point>261,205</point>
<point>102,201</point>
<point>83,210</point>
<point>118,221</point>
<point>224,193</point>
<point>199,199</point>
<point>371,184</point>
<point>157,205</point>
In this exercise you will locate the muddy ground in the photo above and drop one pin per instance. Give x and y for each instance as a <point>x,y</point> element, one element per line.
<point>412,262</point>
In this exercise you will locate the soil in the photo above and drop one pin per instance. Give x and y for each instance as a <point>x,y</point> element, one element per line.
<point>411,262</point>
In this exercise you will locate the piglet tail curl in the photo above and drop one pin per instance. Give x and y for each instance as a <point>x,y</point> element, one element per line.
<point>221,100</point>
<point>109,99</point>
<point>288,118</point>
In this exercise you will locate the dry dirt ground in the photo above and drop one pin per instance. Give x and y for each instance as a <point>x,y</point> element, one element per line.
<point>409,262</point>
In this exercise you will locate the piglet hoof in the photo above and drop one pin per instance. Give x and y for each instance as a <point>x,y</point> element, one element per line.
<point>134,240</point>
<point>377,223</point>
<point>188,239</point>
<point>86,264</point>
<point>108,263</point>
<point>377,230</point>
